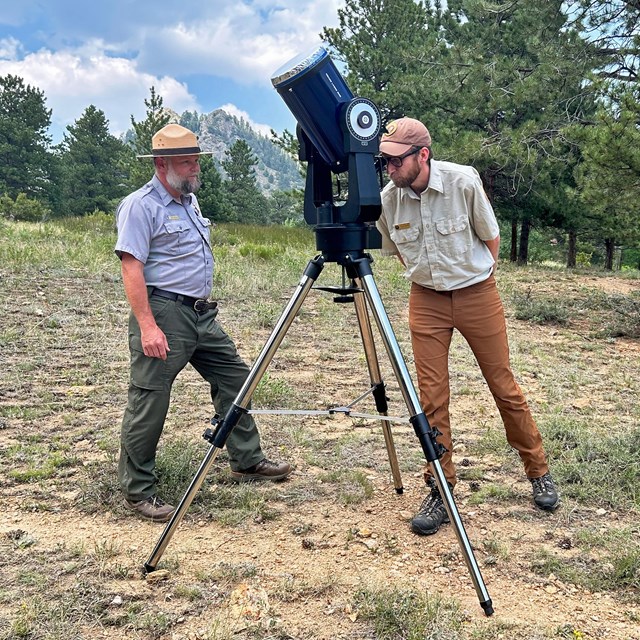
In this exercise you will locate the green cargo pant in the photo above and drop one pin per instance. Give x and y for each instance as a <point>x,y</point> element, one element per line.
<point>196,339</point>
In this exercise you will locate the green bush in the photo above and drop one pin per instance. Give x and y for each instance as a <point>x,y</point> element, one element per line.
<point>540,311</point>
<point>23,209</point>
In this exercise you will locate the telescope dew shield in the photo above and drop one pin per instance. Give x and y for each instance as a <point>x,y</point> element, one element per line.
<point>315,92</point>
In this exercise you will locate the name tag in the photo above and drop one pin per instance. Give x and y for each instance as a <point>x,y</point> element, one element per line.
<point>174,217</point>
<point>403,225</point>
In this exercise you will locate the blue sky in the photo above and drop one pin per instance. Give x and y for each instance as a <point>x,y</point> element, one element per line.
<point>199,54</point>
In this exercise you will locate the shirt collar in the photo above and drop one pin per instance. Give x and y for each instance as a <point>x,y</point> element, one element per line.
<point>435,177</point>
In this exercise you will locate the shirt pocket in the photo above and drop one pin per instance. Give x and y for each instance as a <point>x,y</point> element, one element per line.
<point>454,235</point>
<point>408,243</point>
<point>179,236</point>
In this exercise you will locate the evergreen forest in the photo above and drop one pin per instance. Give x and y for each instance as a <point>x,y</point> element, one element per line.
<point>543,98</point>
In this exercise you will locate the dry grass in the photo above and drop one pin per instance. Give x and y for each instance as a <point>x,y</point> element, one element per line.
<point>323,554</point>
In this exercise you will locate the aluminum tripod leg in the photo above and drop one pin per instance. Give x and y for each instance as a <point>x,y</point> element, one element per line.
<point>240,405</point>
<point>376,382</point>
<point>420,424</point>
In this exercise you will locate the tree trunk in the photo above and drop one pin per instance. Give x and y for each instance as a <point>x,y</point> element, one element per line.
<point>523,252</point>
<point>513,254</point>
<point>609,247</point>
<point>572,250</point>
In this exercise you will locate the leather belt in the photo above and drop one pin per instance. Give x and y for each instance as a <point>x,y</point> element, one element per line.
<point>198,304</point>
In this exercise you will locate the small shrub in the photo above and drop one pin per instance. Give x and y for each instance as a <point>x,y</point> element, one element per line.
<point>583,259</point>
<point>540,311</point>
<point>408,613</point>
<point>23,209</point>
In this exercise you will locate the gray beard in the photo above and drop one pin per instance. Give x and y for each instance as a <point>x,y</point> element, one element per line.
<point>185,186</point>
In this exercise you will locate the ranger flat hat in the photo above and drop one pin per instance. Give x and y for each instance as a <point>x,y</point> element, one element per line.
<point>402,134</point>
<point>174,140</point>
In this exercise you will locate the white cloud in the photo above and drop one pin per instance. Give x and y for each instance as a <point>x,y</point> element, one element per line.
<point>231,109</point>
<point>244,43</point>
<point>71,82</point>
<point>238,43</point>
<point>10,49</point>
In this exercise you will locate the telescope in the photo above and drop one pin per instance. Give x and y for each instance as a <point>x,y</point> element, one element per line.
<point>337,132</point>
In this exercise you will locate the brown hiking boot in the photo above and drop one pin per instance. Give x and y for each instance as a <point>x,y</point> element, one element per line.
<point>264,470</point>
<point>152,508</point>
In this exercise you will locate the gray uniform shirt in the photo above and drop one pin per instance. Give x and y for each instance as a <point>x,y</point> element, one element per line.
<point>170,238</point>
<point>440,233</point>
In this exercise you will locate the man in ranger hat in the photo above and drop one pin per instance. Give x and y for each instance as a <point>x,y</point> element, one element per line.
<point>438,220</point>
<point>167,271</point>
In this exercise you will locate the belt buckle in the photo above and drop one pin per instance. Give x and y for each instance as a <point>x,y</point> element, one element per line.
<point>200,305</point>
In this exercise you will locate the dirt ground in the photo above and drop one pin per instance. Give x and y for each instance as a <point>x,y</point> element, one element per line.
<point>308,561</point>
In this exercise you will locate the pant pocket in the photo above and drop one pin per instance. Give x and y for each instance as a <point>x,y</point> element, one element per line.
<point>146,372</point>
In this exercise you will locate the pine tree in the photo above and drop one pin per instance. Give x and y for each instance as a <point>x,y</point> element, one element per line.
<point>495,81</point>
<point>244,202</point>
<point>156,118</point>
<point>383,45</point>
<point>210,196</point>
<point>24,144</point>
<point>92,165</point>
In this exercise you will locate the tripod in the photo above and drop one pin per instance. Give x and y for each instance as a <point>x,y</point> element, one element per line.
<point>358,267</point>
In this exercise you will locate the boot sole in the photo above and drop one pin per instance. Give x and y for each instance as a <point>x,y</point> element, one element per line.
<point>428,532</point>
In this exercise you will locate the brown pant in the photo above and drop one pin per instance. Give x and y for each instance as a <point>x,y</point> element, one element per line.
<point>477,313</point>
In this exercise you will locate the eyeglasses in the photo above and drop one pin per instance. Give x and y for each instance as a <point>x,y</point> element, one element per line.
<point>396,161</point>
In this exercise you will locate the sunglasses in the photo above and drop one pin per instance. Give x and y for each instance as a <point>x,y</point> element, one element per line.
<point>396,161</point>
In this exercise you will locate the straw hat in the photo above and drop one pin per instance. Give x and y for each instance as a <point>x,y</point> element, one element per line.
<point>174,140</point>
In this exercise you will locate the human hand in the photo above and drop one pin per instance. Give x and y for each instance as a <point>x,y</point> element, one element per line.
<point>154,343</point>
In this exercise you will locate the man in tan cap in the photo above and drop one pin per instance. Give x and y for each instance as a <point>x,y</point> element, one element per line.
<point>438,220</point>
<point>167,271</point>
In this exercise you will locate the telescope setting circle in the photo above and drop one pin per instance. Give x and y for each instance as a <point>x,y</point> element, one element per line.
<point>363,119</point>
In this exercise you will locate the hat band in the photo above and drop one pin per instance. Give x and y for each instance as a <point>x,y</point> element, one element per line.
<point>184,151</point>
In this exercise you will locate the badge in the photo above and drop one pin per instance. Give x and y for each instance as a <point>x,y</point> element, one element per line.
<point>391,129</point>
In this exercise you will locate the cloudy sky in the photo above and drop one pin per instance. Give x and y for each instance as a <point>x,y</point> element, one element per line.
<point>199,54</point>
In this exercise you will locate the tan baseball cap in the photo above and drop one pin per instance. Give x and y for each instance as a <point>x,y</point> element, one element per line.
<point>402,134</point>
<point>174,140</point>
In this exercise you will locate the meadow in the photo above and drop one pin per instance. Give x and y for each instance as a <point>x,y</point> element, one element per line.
<point>327,554</point>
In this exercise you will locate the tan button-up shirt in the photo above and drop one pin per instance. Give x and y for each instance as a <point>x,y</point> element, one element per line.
<point>440,234</point>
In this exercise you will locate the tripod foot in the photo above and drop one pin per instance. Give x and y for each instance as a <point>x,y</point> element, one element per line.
<point>399,490</point>
<point>487,607</point>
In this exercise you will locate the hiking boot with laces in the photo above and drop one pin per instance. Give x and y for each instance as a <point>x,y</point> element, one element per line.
<point>151,508</point>
<point>431,515</point>
<point>545,494</point>
<point>265,470</point>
